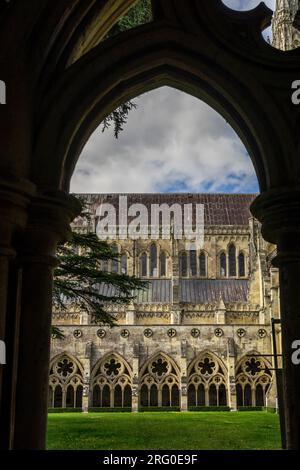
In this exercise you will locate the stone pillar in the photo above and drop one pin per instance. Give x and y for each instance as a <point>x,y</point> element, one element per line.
<point>14,199</point>
<point>183,378</point>
<point>279,212</point>
<point>231,364</point>
<point>49,221</point>
<point>86,377</point>
<point>135,378</point>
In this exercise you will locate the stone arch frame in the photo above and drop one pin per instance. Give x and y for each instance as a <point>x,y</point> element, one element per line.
<point>213,374</point>
<point>73,380</point>
<point>109,381</point>
<point>263,378</point>
<point>160,54</point>
<point>170,380</point>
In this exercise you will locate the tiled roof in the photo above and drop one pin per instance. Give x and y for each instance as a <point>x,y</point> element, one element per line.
<point>219,209</point>
<point>194,291</point>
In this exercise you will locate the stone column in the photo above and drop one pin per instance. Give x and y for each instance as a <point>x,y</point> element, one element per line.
<point>14,199</point>
<point>279,212</point>
<point>183,378</point>
<point>49,221</point>
<point>231,363</point>
<point>135,379</point>
<point>86,377</point>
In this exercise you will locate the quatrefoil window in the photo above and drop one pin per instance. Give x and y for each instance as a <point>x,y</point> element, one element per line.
<point>125,334</point>
<point>241,332</point>
<point>159,367</point>
<point>218,332</point>
<point>262,333</point>
<point>171,333</point>
<point>65,367</point>
<point>195,333</point>
<point>148,333</point>
<point>112,367</point>
<point>253,366</point>
<point>207,366</point>
<point>101,333</point>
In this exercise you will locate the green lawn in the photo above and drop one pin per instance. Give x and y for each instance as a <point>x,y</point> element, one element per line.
<point>166,431</point>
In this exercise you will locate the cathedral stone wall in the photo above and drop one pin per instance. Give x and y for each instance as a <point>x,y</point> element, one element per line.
<point>200,335</point>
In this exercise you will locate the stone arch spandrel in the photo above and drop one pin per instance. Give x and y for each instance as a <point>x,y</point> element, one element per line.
<point>156,55</point>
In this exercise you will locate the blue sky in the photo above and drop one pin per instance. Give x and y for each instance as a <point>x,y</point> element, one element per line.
<point>172,142</point>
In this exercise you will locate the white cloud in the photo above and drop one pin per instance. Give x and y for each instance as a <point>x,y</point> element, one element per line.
<point>172,142</point>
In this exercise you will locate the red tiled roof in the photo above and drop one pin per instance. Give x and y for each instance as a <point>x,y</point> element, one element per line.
<point>219,209</point>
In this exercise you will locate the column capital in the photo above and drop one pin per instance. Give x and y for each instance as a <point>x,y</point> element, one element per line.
<point>278,210</point>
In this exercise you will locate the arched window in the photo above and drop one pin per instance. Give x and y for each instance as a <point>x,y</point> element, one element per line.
<point>201,395</point>
<point>202,264</point>
<point>247,395</point>
<point>193,263</point>
<point>143,267</point>
<point>124,264</point>
<point>213,400</point>
<point>242,271</point>
<point>58,397</point>
<point>259,396</point>
<point>183,265</point>
<point>78,396</point>
<point>65,381</point>
<point>153,260</point>
<point>115,262</point>
<point>111,382</point>
<point>207,381</point>
<point>163,264</point>
<point>144,396</point>
<point>159,383</point>
<point>192,395</point>
<point>70,397</point>
<point>153,395</point>
<point>232,260</point>
<point>223,265</point>
<point>118,396</point>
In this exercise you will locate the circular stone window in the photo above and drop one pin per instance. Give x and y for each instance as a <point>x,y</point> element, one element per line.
<point>219,332</point>
<point>77,334</point>
<point>195,333</point>
<point>241,332</point>
<point>148,333</point>
<point>101,333</point>
<point>171,333</point>
<point>125,333</point>
<point>262,333</point>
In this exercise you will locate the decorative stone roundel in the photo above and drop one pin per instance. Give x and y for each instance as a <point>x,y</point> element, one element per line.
<point>101,333</point>
<point>219,332</point>
<point>125,333</point>
<point>195,333</point>
<point>171,333</point>
<point>241,332</point>
<point>262,333</point>
<point>148,333</point>
<point>77,333</point>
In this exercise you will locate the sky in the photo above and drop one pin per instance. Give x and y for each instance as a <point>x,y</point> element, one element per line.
<point>172,142</point>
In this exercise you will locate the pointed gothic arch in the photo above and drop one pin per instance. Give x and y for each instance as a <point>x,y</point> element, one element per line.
<point>159,382</point>
<point>207,380</point>
<point>65,382</point>
<point>254,379</point>
<point>111,382</point>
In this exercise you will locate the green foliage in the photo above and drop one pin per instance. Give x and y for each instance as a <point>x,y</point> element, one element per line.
<point>110,410</point>
<point>251,408</point>
<point>139,14</point>
<point>64,410</point>
<point>79,275</point>
<point>159,408</point>
<point>209,408</point>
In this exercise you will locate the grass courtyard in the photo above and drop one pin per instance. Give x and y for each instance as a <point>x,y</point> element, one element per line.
<point>158,431</point>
